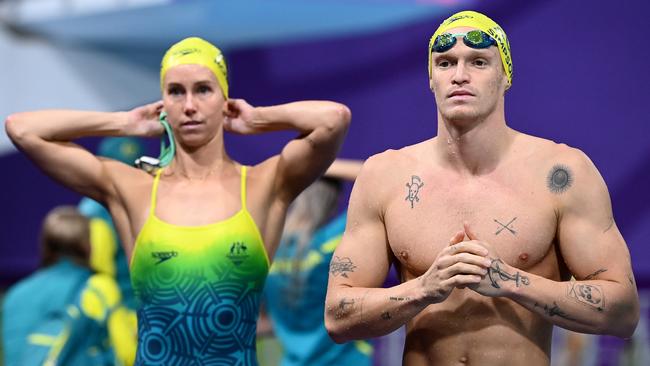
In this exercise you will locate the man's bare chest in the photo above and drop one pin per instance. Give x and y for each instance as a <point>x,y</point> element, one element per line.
<point>518,221</point>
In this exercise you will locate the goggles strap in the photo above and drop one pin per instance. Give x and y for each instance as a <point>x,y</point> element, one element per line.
<point>167,145</point>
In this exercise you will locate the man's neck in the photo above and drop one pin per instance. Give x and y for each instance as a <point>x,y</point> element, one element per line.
<point>473,147</point>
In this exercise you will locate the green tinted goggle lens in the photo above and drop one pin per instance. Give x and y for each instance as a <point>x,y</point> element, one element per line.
<point>474,39</point>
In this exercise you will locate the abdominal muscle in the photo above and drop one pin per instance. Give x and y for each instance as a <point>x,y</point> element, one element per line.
<point>470,329</point>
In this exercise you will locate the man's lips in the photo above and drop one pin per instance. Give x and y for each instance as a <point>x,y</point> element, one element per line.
<point>460,93</point>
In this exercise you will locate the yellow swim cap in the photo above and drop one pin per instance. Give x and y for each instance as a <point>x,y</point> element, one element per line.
<point>196,51</point>
<point>479,21</point>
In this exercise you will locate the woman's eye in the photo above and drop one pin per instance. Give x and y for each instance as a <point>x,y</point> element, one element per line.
<point>204,89</point>
<point>174,91</point>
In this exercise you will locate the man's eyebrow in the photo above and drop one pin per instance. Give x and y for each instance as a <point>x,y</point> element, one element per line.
<point>484,52</point>
<point>177,83</point>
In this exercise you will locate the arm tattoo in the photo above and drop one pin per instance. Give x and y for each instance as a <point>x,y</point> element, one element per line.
<point>591,276</point>
<point>590,295</point>
<point>559,179</point>
<point>345,308</point>
<point>496,274</point>
<point>414,189</point>
<point>554,311</point>
<point>399,298</point>
<point>345,302</point>
<point>505,227</point>
<point>341,266</point>
<point>385,315</point>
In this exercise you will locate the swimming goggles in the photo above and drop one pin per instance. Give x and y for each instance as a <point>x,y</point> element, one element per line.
<point>474,39</point>
<point>167,150</point>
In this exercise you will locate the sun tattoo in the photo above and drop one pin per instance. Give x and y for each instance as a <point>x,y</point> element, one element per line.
<point>559,179</point>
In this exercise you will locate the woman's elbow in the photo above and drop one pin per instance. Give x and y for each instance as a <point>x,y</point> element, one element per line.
<point>338,118</point>
<point>344,114</point>
<point>14,128</point>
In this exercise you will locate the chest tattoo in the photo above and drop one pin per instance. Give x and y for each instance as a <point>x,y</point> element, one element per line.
<point>505,227</point>
<point>414,189</point>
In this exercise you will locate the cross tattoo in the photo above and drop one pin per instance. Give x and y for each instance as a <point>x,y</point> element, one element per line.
<point>506,226</point>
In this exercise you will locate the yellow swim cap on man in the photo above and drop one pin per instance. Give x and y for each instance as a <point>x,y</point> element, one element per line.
<point>481,22</point>
<point>196,51</point>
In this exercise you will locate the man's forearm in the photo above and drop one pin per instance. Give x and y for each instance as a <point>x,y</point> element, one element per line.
<point>594,306</point>
<point>362,313</point>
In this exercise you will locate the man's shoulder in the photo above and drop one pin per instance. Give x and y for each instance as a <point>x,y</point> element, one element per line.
<point>562,167</point>
<point>396,157</point>
<point>549,151</point>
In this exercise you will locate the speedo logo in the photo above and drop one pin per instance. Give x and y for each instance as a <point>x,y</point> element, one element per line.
<point>187,51</point>
<point>164,256</point>
<point>458,17</point>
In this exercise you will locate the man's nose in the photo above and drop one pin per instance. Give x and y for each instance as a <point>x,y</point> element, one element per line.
<point>461,76</point>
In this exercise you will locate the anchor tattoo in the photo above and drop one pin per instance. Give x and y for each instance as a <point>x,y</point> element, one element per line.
<point>495,273</point>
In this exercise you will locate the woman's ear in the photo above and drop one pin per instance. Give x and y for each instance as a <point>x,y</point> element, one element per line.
<point>225,108</point>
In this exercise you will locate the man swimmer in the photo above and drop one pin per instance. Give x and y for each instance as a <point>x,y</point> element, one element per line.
<point>523,214</point>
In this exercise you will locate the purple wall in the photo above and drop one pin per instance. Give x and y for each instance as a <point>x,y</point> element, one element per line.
<point>580,77</point>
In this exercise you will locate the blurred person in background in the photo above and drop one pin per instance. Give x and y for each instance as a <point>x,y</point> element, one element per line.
<point>62,314</point>
<point>294,294</point>
<point>573,348</point>
<point>199,234</point>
